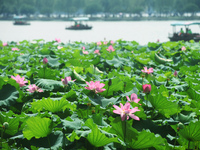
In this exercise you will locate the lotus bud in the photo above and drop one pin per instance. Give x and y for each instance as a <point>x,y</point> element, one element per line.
<point>5,125</point>
<point>180,126</point>
<point>146,88</point>
<point>175,73</point>
<point>45,60</point>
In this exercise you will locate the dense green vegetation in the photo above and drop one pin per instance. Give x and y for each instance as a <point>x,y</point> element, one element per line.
<point>76,7</point>
<point>48,101</point>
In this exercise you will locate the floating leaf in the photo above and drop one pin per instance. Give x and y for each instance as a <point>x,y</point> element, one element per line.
<point>37,127</point>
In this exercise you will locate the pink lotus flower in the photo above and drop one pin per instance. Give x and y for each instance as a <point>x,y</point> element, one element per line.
<point>110,48</point>
<point>97,52</point>
<point>66,80</point>
<point>45,60</point>
<point>19,80</point>
<point>134,98</point>
<point>112,42</point>
<point>150,70</point>
<point>15,49</point>
<point>183,48</point>
<point>85,52</point>
<point>33,88</point>
<point>59,47</point>
<point>175,73</point>
<point>158,40</point>
<point>57,40</point>
<point>125,111</point>
<point>83,47</point>
<point>146,88</point>
<point>99,43</point>
<point>95,86</point>
<point>5,44</point>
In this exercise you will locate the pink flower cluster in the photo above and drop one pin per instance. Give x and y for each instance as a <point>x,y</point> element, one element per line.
<point>31,88</point>
<point>148,71</point>
<point>110,48</point>
<point>66,80</point>
<point>95,86</point>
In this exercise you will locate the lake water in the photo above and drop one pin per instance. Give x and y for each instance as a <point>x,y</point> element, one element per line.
<point>139,31</point>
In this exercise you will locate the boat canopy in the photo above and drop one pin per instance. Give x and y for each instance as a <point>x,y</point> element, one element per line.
<point>80,19</point>
<point>185,23</point>
<point>19,17</point>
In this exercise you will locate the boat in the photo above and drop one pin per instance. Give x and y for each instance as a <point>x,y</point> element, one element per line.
<point>184,36</point>
<point>20,20</point>
<point>78,24</point>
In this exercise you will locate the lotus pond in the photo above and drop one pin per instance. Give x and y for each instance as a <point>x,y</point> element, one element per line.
<point>104,95</point>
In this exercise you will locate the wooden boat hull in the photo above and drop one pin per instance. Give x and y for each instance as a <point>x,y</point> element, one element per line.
<point>26,23</point>
<point>186,37</point>
<point>79,28</point>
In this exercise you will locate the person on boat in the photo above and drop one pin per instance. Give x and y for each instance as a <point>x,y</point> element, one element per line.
<point>189,31</point>
<point>181,32</point>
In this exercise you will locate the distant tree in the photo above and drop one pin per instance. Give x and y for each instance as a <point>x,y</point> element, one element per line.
<point>191,8</point>
<point>93,8</point>
<point>27,9</point>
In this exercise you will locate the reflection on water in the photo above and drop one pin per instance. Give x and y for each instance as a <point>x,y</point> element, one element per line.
<point>139,31</point>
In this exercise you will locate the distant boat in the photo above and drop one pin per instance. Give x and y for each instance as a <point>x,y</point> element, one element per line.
<point>185,36</point>
<point>78,25</point>
<point>20,20</point>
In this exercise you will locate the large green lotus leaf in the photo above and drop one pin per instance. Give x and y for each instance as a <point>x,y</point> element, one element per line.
<point>37,127</point>
<point>116,62</point>
<point>73,136</point>
<point>52,105</point>
<point>12,121</point>
<point>49,84</point>
<point>97,138</point>
<point>47,73</point>
<point>123,130</point>
<point>180,88</point>
<point>8,95</point>
<point>99,119</point>
<point>146,139</point>
<point>191,132</point>
<point>93,70</point>
<point>193,94</point>
<point>53,141</point>
<point>53,62</point>
<point>98,100</point>
<point>23,58</point>
<point>73,124</point>
<point>163,105</point>
<point>143,58</point>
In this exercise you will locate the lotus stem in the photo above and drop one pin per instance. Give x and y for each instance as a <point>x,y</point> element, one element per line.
<point>1,137</point>
<point>49,143</point>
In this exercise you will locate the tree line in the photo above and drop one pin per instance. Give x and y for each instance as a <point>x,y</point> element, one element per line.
<point>106,7</point>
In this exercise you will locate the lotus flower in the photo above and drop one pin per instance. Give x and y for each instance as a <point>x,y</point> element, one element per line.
<point>125,111</point>
<point>183,48</point>
<point>105,42</point>
<point>15,49</point>
<point>85,52</point>
<point>19,80</point>
<point>95,86</point>
<point>112,42</point>
<point>146,88</point>
<point>99,43</point>
<point>5,44</point>
<point>45,60</point>
<point>110,48</point>
<point>175,73</point>
<point>66,80</point>
<point>97,52</point>
<point>59,47</point>
<point>33,88</point>
<point>150,70</point>
<point>57,40</point>
<point>134,98</point>
<point>83,47</point>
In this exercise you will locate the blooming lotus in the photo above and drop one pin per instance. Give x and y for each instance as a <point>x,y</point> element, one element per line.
<point>57,40</point>
<point>125,111</point>
<point>99,43</point>
<point>59,47</point>
<point>19,80</point>
<point>66,80</point>
<point>83,47</point>
<point>110,48</point>
<point>146,88</point>
<point>134,98</point>
<point>112,42</point>
<point>45,60</point>
<point>15,49</point>
<point>183,48</point>
<point>33,88</point>
<point>95,86</point>
<point>5,44</point>
<point>85,52</point>
<point>97,52</point>
<point>150,70</point>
